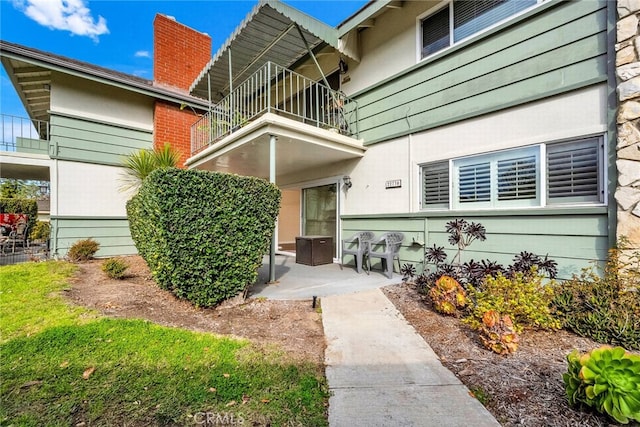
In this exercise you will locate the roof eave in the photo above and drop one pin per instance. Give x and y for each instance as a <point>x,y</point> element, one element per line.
<point>23,54</point>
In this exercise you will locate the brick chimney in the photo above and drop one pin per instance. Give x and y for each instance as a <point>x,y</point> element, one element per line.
<point>179,55</point>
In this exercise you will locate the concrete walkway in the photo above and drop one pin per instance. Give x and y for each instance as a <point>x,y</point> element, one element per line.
<point>382,373</point>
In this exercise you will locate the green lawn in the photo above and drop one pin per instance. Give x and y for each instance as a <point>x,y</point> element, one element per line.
<point>62,365</point>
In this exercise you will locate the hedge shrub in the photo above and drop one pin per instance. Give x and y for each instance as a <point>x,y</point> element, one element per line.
<point>203,234</point>
<point>22,206</point>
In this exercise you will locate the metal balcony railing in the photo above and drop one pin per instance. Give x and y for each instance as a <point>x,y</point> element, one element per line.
<point>22,134</point>
<point>275,89</point>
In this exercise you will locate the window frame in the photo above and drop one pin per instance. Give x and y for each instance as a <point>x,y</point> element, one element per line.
<point>493,159</point>
<point>452,41</point>
<point>541,199</point>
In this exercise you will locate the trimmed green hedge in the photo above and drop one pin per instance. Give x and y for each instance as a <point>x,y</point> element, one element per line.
<point>22,206</point>
<point>203,234</point>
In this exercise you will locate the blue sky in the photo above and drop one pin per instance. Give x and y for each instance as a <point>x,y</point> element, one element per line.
<point>119,34</point>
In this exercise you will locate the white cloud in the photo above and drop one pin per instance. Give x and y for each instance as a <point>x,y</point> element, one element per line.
<point>142,54</point>
<point>69,15</point>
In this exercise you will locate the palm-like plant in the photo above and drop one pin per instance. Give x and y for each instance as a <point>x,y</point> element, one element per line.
<point>140,164</point>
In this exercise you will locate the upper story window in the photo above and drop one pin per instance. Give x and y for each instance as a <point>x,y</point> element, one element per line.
<point>460,19</point>
<point>565,173</point>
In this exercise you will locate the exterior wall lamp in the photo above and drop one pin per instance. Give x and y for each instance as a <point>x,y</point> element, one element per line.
<point>347,181</point>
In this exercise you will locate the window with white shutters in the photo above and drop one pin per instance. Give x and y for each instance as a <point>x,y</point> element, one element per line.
<point>574,171</point>
<point>435,185</point>
<point>569,173</point>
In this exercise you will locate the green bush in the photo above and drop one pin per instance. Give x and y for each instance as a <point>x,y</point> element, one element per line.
<point>604,307</point>
<point>115,268</point>
<point>41,231</point>
<point>607,379</point>
<point>203,234</point>
<point>524,298</point>
<point>22,206</point>
<point>83,250</point>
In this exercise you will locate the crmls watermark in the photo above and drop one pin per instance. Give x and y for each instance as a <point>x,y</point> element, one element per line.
<point>217,419</point>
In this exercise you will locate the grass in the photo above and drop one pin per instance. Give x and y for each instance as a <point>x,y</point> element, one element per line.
<point>63,365</point>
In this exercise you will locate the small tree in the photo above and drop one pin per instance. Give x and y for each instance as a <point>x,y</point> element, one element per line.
<point>140,164</point>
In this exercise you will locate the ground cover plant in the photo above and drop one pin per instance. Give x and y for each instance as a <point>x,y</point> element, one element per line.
<point>604,303</point>
<point>64,365</point>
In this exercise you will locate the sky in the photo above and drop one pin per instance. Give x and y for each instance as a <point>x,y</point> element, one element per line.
<point>118,34</point>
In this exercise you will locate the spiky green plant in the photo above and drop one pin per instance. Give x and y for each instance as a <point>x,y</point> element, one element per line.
<point>140,164</point>
<point>607,379</point>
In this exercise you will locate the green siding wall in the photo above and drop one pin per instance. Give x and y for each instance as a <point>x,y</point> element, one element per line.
<point>573,239</point>
<point>87,141</point>
<point>112,234</point>
<point>554,49</point>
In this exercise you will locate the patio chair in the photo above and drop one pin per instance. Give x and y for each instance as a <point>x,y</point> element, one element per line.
<point>390,247</point>
<point>19,235</point>
<point>357,245</point>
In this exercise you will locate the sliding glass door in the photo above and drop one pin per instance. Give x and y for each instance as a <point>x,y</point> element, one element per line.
<point>320,211</point>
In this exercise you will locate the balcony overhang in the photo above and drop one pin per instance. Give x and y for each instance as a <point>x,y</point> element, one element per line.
<point>272,32</point>
<point>25,166</point>
<point>299,147</point>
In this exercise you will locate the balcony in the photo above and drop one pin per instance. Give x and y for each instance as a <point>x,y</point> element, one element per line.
<point>276,90</point>
<point>23,135</point>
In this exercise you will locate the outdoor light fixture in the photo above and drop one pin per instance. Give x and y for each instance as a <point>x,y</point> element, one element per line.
<point>47,87</point>
<point>347,181</point>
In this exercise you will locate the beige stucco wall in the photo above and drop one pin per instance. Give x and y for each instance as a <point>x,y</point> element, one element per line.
<point>387,48</point>
<point>89,190</point>
<point>289,219</point>
<point>96,101</point>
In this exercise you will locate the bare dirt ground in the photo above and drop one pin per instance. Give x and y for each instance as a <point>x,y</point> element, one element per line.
<point>523,389</point>
<point>293,325</point>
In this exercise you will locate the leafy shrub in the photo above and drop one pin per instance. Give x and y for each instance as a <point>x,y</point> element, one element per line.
<point>524,298</point>
<point>21,206</point>
<point>447,295</point>
<point>605,306</point>
<point>41,231</point>
<point>607,379</point>
<point>115,268</point>
<point>497,333</point>
<point>203,234</point>
<point>83,250</point>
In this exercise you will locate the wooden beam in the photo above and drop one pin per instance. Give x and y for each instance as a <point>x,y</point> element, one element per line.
<point>34,80</point>
<point>394,5</point>
<point>368,23</point>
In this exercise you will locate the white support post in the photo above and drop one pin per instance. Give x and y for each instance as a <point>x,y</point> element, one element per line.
<point>272,179</point>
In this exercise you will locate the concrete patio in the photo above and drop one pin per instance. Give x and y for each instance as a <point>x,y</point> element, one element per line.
<point>299,282</point>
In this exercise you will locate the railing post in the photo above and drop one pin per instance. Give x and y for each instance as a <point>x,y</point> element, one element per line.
<point>268,84</point>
